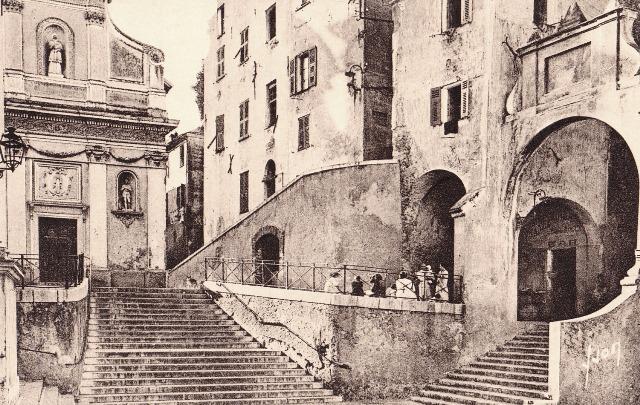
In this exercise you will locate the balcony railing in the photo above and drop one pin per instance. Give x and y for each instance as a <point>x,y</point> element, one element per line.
<point>52,271</point>
<point>312,277</point>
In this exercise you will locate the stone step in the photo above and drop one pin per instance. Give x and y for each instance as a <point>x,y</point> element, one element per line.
<point>516,355</point>
<point>152,318</point>
<point>523,349</point>
<point>172,353</point>
<point>195,309</point>
<point>507,382</point>
<point>453,400</point>
<point>525,376</point>
<point>227,395</point>
<point>193,388</point>
<point>124,296</point>
<point>152,300</point>
<point>144,289</point>
<point>517,362</point>
<point>134,379</point>
<point>532,338</point>
<point>159,322</point>
<point>185,328</point>
<point>527,344</point>
<point>96,337</point>
<point>30,392</point>
<point>446,392</point>
<point>248,401</point>
<point>239,343</point>
<point>268,365</point>
<point>494,365</point>
<point>494,388</point>
<point>239,374</point>
<point>49,396</point>
<point>164,306</point>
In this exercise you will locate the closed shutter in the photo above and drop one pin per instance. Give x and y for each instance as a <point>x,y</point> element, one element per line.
<point>292,76</point>
<point>220,132</point>
<point>313,71</point>
<point>436,106</point>
<point>465,98</point>
<point>467,11</point>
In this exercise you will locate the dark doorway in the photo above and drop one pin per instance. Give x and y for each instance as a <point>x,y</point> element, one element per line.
<point>267,255</point>
<point>563,284</point>
<point>58,248</point>
<point>270,179</point>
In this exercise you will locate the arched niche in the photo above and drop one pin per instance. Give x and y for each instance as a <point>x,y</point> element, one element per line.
<point>127,192</point>
<point>267,247</point>
<point>269,179</point>
<point>45,33</point>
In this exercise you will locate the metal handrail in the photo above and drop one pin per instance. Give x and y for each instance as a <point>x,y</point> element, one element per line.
<point>441,286</point>
<point>30,264</point>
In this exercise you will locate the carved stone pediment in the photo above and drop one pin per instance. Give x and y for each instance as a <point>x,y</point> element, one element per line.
<point>127,217</point>
<point>57,182</point>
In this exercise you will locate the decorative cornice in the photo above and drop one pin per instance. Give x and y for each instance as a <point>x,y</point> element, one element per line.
<point>156,55</point>
<point>94,17</point>
<point>98,153</point>
<point>14,6</point>
<point>155,158</point>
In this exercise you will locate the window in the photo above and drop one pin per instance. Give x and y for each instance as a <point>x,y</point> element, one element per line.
<point>303,71</point>
<point>270,179</point>
<point>458,12</point>
<point>244,119</point>
<point>539,12</point>
<point>456,100</point>
<point>219,133</point>
<point>220,19</point>
<point>182,153</point>
<point>244,45</point>
<point>181,197</point>
<point>271,22</point>
<point>272,110</point>
<point>244,192</point>
<point>220,54</point>
<point>303,132</point>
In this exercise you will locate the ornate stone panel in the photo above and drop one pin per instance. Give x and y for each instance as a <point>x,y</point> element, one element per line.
<point>127,99</point>
<point>57,90</point>
<point>57,182</point>
<point>126,62</point>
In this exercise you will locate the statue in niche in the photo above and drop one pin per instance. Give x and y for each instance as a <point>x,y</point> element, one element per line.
<point>55,59</point>
<point>126,190</point>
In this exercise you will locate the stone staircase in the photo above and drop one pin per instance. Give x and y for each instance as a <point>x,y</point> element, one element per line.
<point>170,346</point>
<point>36,393</point>
<point>515,373</point>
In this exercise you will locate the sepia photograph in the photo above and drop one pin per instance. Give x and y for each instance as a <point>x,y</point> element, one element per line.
<point>367,202</point>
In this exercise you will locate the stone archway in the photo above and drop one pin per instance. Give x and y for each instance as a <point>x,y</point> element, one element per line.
<point>577,173</point>
<point>267,247</point>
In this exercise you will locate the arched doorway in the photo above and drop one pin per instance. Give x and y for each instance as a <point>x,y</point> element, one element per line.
<point>558,249</point>
<point>269,179</point>
<point>267,257</point>
<point>434,235</point>
<point>577,219</point>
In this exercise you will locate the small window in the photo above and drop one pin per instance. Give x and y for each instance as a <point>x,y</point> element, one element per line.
<point>219,133</point>
<point>272,104</point>
<point>182,153</point>
<point>303,132</point>
<point>271,22</point>
<point>303,71</point>
<point>244,119</point>
<point>220,20</point>
<point>454,96</point>
<point>220,54</point>
<point>458,12</point>
<point>181,197</point>
<point>244,192</point>
<point>456,102</point>
<point>540,12</point>
<point>244,45</point>
<point>270,179</point>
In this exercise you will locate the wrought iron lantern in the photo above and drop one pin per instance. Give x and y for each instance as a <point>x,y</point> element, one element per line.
<point>12,150</point>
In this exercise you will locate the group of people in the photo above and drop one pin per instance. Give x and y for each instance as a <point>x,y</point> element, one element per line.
<point>406,286</point>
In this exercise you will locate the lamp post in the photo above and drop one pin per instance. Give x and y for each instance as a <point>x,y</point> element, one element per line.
<point>12,150</point>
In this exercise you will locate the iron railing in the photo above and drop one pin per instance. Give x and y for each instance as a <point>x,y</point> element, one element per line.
<point>313,277</point>
<point>56,270</point>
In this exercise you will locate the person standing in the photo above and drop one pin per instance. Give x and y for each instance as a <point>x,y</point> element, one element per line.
<point>357,287</point>
<point>405,287</point>
<point>333,283</point>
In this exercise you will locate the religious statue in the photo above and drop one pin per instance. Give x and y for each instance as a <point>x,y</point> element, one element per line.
<point>55,57</point>
<point>126,190</point>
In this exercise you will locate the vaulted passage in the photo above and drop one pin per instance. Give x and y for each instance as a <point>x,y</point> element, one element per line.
<point>579,191</point>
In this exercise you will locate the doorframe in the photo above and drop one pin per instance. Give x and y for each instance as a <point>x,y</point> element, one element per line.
<point>35,230</point>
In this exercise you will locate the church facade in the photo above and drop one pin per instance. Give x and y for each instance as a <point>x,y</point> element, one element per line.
<point>89,102</point>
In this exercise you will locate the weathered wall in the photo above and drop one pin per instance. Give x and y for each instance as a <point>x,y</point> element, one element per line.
<point>9,382</point>
<point>378,348</point>
<point>50,342</point>
<point>347,215</point>
<point>599,357</point>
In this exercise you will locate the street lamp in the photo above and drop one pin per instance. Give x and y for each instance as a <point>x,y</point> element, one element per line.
<point>12,149</point>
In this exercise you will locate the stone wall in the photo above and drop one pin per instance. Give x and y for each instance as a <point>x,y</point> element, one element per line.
<point>598,357</point>
<point>347,214</point>
<point>371,348</point>
<point>51,335</point>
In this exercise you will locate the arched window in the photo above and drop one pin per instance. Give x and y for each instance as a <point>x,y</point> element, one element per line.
<point>55,42</point>
<point>127,191</point>
<point>270,179</point>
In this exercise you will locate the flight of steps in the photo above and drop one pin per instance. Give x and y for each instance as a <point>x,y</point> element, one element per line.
<point>515,373</point>
<point>170,346</point>
<point>36,393</point>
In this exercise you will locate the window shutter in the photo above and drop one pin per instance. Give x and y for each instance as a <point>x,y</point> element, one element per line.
<point>465,98</point>
<point>292,76</point>
<point>220,132</point>
<point>436,106</point>
<point>467,12</point>
<point>313,57</point>
<point>300,133</point>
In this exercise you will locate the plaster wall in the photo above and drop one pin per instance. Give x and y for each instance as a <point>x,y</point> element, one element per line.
<point>345,215</point>
<point>176,175</point>
<point>99,214</point>
<point>9,381</point>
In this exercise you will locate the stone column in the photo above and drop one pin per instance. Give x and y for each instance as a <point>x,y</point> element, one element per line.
<point>156,216</point>
<point>13,33</point>
<point>97,55</point>
<point>10,276</point>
